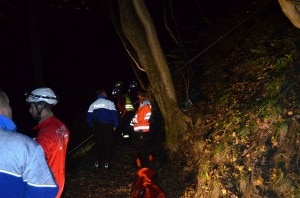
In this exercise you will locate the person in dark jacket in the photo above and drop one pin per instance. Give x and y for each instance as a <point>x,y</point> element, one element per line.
<point>126,112</point>
<point>23,168</point>
<point>102,117</point>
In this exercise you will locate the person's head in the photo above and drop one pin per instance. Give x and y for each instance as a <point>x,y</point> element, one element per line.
<point>119,84</point>
<point>101,92</point>
<point>132,87</point>
<point>41,101</point>
<point>116,92</point>
<point>141,94</point>
<point>5,108</point>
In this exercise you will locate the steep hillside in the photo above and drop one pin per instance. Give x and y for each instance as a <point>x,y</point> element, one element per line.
<point>245,142</point>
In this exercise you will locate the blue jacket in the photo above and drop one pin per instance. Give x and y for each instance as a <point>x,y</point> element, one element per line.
<point>6,123</point>
<point>104,111</point>
<point>24,172</point>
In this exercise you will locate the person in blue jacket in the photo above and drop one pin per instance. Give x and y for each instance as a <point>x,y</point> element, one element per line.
<point>23,168</point>
<point>102,117</point>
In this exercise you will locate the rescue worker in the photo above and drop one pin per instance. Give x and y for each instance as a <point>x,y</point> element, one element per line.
<point>142,137</point>
<point>103,118</point>
<point>53,135</point>
<point>123,101</point>
<point>126,110</point>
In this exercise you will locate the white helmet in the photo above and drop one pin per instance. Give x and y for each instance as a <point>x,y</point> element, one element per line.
<point>115,92</point>
<point>42,95</point>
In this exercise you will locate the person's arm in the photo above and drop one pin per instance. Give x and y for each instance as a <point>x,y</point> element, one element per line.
<point>89,117</point>
<point>38,177</point>
<point>144,114</point>
<point>122,104</point>
<point>45,139</point>
<point>115,119</point>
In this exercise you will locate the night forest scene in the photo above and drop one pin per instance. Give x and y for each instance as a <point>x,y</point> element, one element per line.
<point>222,78</point>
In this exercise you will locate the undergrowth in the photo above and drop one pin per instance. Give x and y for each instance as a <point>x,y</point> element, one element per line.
<point>245,141</point>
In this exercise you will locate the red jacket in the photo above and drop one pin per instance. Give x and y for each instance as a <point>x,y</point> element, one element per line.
<point>53,136</point>
<point>141,120</point>
<point>145,186</point>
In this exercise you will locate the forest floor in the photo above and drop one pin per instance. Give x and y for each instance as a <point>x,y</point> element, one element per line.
<point>83,180</point>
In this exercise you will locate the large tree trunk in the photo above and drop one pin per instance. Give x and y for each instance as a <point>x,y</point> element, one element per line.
<point>138,28</point>
<point>291,9</point>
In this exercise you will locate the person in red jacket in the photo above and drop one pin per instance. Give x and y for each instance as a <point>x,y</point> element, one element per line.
<point>53,135</point>
<point>142,134</point>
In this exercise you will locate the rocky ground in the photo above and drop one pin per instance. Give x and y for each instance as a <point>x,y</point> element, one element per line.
<point>83,180</point>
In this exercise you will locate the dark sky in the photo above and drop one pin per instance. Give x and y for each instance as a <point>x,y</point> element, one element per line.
<point>79,53</point>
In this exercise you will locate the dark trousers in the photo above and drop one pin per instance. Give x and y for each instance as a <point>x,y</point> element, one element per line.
<point>124,129</point>
<point>125,122</point>
<point>142,143</point>
<point>103,142</point>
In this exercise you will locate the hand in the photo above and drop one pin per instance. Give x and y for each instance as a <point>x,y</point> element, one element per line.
<point>131,123</point>
<point>134,120</point>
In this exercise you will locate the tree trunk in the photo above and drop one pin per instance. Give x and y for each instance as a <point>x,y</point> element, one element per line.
<point>139,30</point>
<point>291,9</point>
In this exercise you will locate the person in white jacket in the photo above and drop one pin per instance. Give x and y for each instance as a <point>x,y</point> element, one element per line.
<point>23,168</point>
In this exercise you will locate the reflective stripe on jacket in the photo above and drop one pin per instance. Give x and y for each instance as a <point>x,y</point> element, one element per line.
<point>141,120</point>
<point>23,168</point>
<point>128,103</point>
<point>102,110</point>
